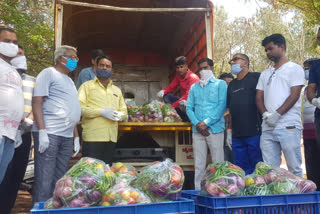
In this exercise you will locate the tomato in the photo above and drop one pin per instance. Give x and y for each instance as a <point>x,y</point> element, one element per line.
<point>125,194</point>
<point>113,169</point>
<point>231,166</point>
<point>104,198</point>
<point>212,169</point>
<point>123,169</point>
<point>175,179</point>
<point>132,173</point>
<point>155,162</point>
<point>135,195</point>
<point>177,169</point>
<point>131,201</point>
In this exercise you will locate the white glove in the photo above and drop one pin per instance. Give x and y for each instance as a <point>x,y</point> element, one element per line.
<point>316,102</point>
<point>273,119</point>
<point>183,105</point>
<point>229,139</point>
<point>43,140</point>
<point>18,139</point>
<point>76,146</point>
<point>109,113</point>
<point>119,115</point>
<point>265,115</point>
<point>26,125</point>
<point>160,94</point>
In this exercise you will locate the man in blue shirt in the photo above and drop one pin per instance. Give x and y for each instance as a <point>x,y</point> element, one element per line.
<point>89,73</point>
<point>206,105</point>
<point>313,91</point>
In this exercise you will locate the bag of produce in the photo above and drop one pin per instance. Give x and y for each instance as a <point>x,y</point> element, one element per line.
<point>83,185</point>
<point>135,114</point>
<point>223,179</point>
<point>161,181</point>
<point>169,114</point>
<point>255,185</point>
<point>152,112</point>
<point>281,181</point>
<point>122,194</point>
<point>124,173</point>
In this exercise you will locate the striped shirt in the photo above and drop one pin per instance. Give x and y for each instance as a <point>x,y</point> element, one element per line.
<point>28,83</point>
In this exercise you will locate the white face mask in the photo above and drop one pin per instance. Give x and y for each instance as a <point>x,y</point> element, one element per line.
<point>8,49</point>
<point>205,76</point>
<point>19,62</point>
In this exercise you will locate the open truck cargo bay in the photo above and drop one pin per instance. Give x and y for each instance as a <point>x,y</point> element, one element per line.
<point>143,37</point>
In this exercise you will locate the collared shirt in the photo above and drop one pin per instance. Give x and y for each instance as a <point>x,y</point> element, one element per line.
<point>11,100</point>
<point>93,97</point>
<point>276,85</point>
<point>184,84</point>
<point>208,104</point>
<point>28,84</point>
<point>61,107</point>
<point>85,75</point>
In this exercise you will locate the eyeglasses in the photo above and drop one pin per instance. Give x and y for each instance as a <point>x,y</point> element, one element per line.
<point>270,78</point>
<point>72,57</point>
<point>235,59</point>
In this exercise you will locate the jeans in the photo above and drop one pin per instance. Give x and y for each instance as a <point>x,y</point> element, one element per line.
<point>170,98</point>
<point>247,152</point>
<point>14,175</point>
<point>6,154</point>
<point>51,165</point>
<point>99,150</point>
<point>287,140</point>
<point>312,158</point>
<point>200,148</point>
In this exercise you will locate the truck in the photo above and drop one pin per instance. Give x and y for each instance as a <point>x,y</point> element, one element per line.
<point>143,37</point>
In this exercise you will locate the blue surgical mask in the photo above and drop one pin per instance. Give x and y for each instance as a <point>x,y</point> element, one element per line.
<point>236,69</point>
<point>71,63</point>
<point>104,73</point>
<point>306,74</point>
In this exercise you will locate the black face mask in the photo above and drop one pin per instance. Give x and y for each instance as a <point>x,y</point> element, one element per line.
<point>21,71</point>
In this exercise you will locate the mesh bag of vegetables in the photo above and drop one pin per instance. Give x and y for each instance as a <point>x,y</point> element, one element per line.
<point>135,114</point>
<point>125,173</point>
<point>161,181</point>
<point>152,112</point>
<point>169,114</point>
<point>255,185</point>
<point>122,194</point>
<point>281,181</point>
<point>83,185</point>
<point>223,179</point>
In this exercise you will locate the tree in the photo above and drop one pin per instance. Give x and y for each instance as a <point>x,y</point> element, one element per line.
<point>33,22</point>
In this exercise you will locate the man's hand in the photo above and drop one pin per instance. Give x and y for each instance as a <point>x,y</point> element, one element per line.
<point>273,119</point>
<point>160,94</point>
<point>43,140</point>
<point>119,115</point>
<point>316,102</point>
<point>76,146</point>
<point>265,115</point>
<point>26,124</point>
<point>18,139</point>
<point>109,113</point>
<point>203,129</point>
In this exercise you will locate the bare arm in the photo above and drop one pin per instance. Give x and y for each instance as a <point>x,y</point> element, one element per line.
<point>291,100</point>
<point>37,112</point>
<point>311,91</point>
<point>30,116</point>
<point>260,101</point>
<point>75,132</point>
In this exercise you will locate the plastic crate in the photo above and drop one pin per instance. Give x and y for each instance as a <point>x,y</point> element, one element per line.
<point>184,206</point>
<point>306,203</point>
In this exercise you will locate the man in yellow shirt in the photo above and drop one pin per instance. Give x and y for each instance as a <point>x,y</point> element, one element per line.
<point>102,106</point>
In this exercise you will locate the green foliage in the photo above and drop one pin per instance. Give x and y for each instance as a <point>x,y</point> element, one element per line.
<point>33,22</point>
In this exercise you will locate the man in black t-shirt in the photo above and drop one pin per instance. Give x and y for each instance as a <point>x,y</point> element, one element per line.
<point>246,120</point>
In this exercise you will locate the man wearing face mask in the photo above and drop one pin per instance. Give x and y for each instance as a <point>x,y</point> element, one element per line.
<point>311,151</point>
<point>102,106</point>
<point>56,111</point>
<point>17,167</point>
<point>206,105</point>
<point>241,101</point>
<point>89,73</point>
<point>11,97</point>
<point>278,100</point>
<point>184,78</point>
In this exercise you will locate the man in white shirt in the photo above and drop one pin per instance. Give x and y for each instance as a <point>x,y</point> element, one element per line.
<point>278,100</point>
<point>57,111</point>
<point>11,97</point>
